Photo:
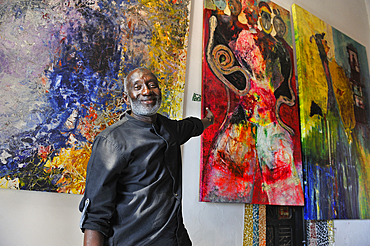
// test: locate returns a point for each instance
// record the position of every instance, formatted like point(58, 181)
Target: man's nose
point(146, 90)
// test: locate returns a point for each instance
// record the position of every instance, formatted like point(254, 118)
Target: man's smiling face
point(143, 92)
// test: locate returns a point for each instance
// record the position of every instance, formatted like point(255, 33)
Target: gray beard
point(139, 109)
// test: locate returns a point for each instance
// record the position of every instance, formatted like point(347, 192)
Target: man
point(133, 183)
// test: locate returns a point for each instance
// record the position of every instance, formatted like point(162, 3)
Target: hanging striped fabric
point(320, 232)
point(254, 225)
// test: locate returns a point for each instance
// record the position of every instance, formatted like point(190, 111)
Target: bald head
point(132, 74)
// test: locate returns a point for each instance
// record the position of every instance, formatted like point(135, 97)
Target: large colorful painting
point(333, 77)
point(61, 65)
point(252, 153)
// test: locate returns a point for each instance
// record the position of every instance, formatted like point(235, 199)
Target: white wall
point(44, 219)
point(29, 218)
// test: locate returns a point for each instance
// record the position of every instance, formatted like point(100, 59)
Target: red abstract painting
point(252, 154)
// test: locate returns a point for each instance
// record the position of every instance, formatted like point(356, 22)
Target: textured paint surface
point(252, 153)
point(254, 225)
point(61, 65)
point(248, 225)
point(330, 232)
point(262, 225)
point(320, 232)
point(333, 81)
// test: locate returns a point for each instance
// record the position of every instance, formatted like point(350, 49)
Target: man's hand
point(209, 119)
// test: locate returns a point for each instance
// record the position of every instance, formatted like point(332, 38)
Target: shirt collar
point(136, 121)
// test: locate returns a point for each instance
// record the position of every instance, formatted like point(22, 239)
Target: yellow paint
point(311, 72)
point(364, 176)
point(74, 164)
point(227, 9)
point(344, 96)
point(248, 225)
point(242, 18)
point(7, 183)
point(168, 52)
point(331, 232)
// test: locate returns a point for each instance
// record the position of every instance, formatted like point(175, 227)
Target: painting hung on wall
point(333, 78)
point(252, 153)
point(61, 66)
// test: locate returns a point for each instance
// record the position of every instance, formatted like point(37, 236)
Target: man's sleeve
point(189, 127)
point(98, 203)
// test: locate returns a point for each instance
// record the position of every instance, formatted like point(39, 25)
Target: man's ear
point(125, 98)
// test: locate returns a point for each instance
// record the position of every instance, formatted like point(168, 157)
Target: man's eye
point(153, 85)
point(137, 87)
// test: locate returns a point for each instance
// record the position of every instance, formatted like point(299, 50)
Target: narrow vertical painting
point(61, 67)
point(252, 153)
point(333, 78)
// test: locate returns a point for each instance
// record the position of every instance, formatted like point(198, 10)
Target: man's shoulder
point(167, 122)
point(163, 118)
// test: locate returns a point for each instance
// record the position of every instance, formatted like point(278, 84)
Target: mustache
point(143, 98)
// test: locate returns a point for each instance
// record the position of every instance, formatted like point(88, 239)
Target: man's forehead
point(141, 73)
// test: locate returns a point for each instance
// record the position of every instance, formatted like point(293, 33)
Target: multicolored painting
point(254, 232)
point(320, 232)
point(61, 66)
point(333, 77)
point(252, 153)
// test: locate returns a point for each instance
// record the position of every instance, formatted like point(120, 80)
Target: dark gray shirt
point(133, 185)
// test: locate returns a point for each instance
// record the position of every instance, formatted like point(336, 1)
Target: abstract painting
point(320, 232)
point(252, 154)
point(254, 232)
point(61, 66)
point(333, 78)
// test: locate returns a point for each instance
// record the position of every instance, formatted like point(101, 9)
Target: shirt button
point(175, 194)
